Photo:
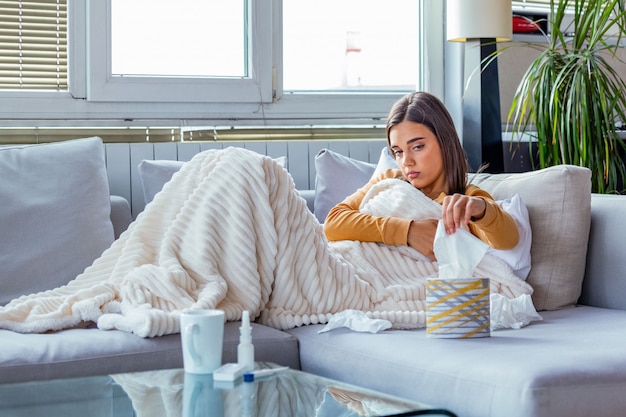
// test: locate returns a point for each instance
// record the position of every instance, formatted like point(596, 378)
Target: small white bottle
point(245, 350)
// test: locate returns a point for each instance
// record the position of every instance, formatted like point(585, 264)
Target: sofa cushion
point(558, 200)
point(91, 351)
point(573, 363)
point(55, 214)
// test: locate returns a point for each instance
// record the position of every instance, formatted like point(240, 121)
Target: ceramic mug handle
point(191, 331)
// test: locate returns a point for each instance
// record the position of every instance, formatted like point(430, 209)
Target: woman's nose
point(407, 161)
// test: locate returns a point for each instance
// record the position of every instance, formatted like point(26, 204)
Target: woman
point(422, 138)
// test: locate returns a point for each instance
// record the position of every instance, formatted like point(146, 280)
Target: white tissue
point(357, 321)
point(457, 254)
point(512, 313)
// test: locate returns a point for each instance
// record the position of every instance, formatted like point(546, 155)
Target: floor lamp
point(480, 24)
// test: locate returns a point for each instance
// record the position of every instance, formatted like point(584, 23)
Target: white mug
point(202, 335)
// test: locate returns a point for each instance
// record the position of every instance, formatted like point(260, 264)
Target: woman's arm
point(346, 222)
point(496, 227)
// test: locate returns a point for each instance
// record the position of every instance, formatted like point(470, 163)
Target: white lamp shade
point(475, 19)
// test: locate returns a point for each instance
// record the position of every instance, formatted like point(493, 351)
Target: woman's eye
point(417, 147)
point(397, 153)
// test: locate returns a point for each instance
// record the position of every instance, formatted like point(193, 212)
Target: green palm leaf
point(572, 97)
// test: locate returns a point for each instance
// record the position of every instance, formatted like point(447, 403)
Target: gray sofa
point(572, 363)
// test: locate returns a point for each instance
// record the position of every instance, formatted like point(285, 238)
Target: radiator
point(123, 159)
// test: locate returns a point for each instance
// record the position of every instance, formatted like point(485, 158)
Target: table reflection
point(291, 393)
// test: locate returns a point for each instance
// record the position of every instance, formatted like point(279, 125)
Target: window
point(260, 78)
point(175, 30)
point(33, 45)
point(196, 38)
point(362, 45)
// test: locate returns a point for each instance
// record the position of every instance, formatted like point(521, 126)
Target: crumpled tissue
point(515, 313)
point(356, 320)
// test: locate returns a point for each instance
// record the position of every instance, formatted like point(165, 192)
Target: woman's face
point(418, 154)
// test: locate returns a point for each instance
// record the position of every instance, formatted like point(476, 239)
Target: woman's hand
point(422, 235)
point(459, 210)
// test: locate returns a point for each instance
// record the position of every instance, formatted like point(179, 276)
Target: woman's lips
point(412, 175)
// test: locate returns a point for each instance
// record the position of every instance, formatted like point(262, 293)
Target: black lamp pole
point(482, 125)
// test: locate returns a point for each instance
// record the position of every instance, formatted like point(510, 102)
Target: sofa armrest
point(121, 216)
point(309, 196)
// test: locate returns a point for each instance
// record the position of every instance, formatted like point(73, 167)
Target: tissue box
point(457, 308)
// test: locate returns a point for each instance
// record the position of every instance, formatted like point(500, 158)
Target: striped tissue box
point(457, 308)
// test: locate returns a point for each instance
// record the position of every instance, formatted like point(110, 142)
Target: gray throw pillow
point(336, 177)
point(154, 174)
point(55, 219)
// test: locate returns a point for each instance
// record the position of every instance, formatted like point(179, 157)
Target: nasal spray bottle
point(245, 350)
point(245, 355)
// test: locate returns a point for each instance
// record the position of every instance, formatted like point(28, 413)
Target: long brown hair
point(424, 108)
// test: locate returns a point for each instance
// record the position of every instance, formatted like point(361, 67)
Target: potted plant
point(571, 98)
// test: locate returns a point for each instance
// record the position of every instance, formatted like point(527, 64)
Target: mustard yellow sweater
point(345, 222)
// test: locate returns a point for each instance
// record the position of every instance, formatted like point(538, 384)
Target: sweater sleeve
point(496, 228)
point(346, 222)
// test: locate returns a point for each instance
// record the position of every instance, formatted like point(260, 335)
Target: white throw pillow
point(55, 218)
point(517, 258)
point(385, 162)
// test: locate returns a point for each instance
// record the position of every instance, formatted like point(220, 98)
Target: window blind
point(33, 45)
point(29, 135)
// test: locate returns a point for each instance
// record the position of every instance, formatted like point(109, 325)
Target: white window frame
point(96, 98)
point(103, 86)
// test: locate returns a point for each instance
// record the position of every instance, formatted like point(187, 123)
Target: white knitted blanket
point(230, 231)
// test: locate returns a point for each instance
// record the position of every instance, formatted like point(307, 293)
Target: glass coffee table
point(173, 393)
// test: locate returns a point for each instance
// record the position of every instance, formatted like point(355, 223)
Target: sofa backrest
point(604, 284)
point(123, 159)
